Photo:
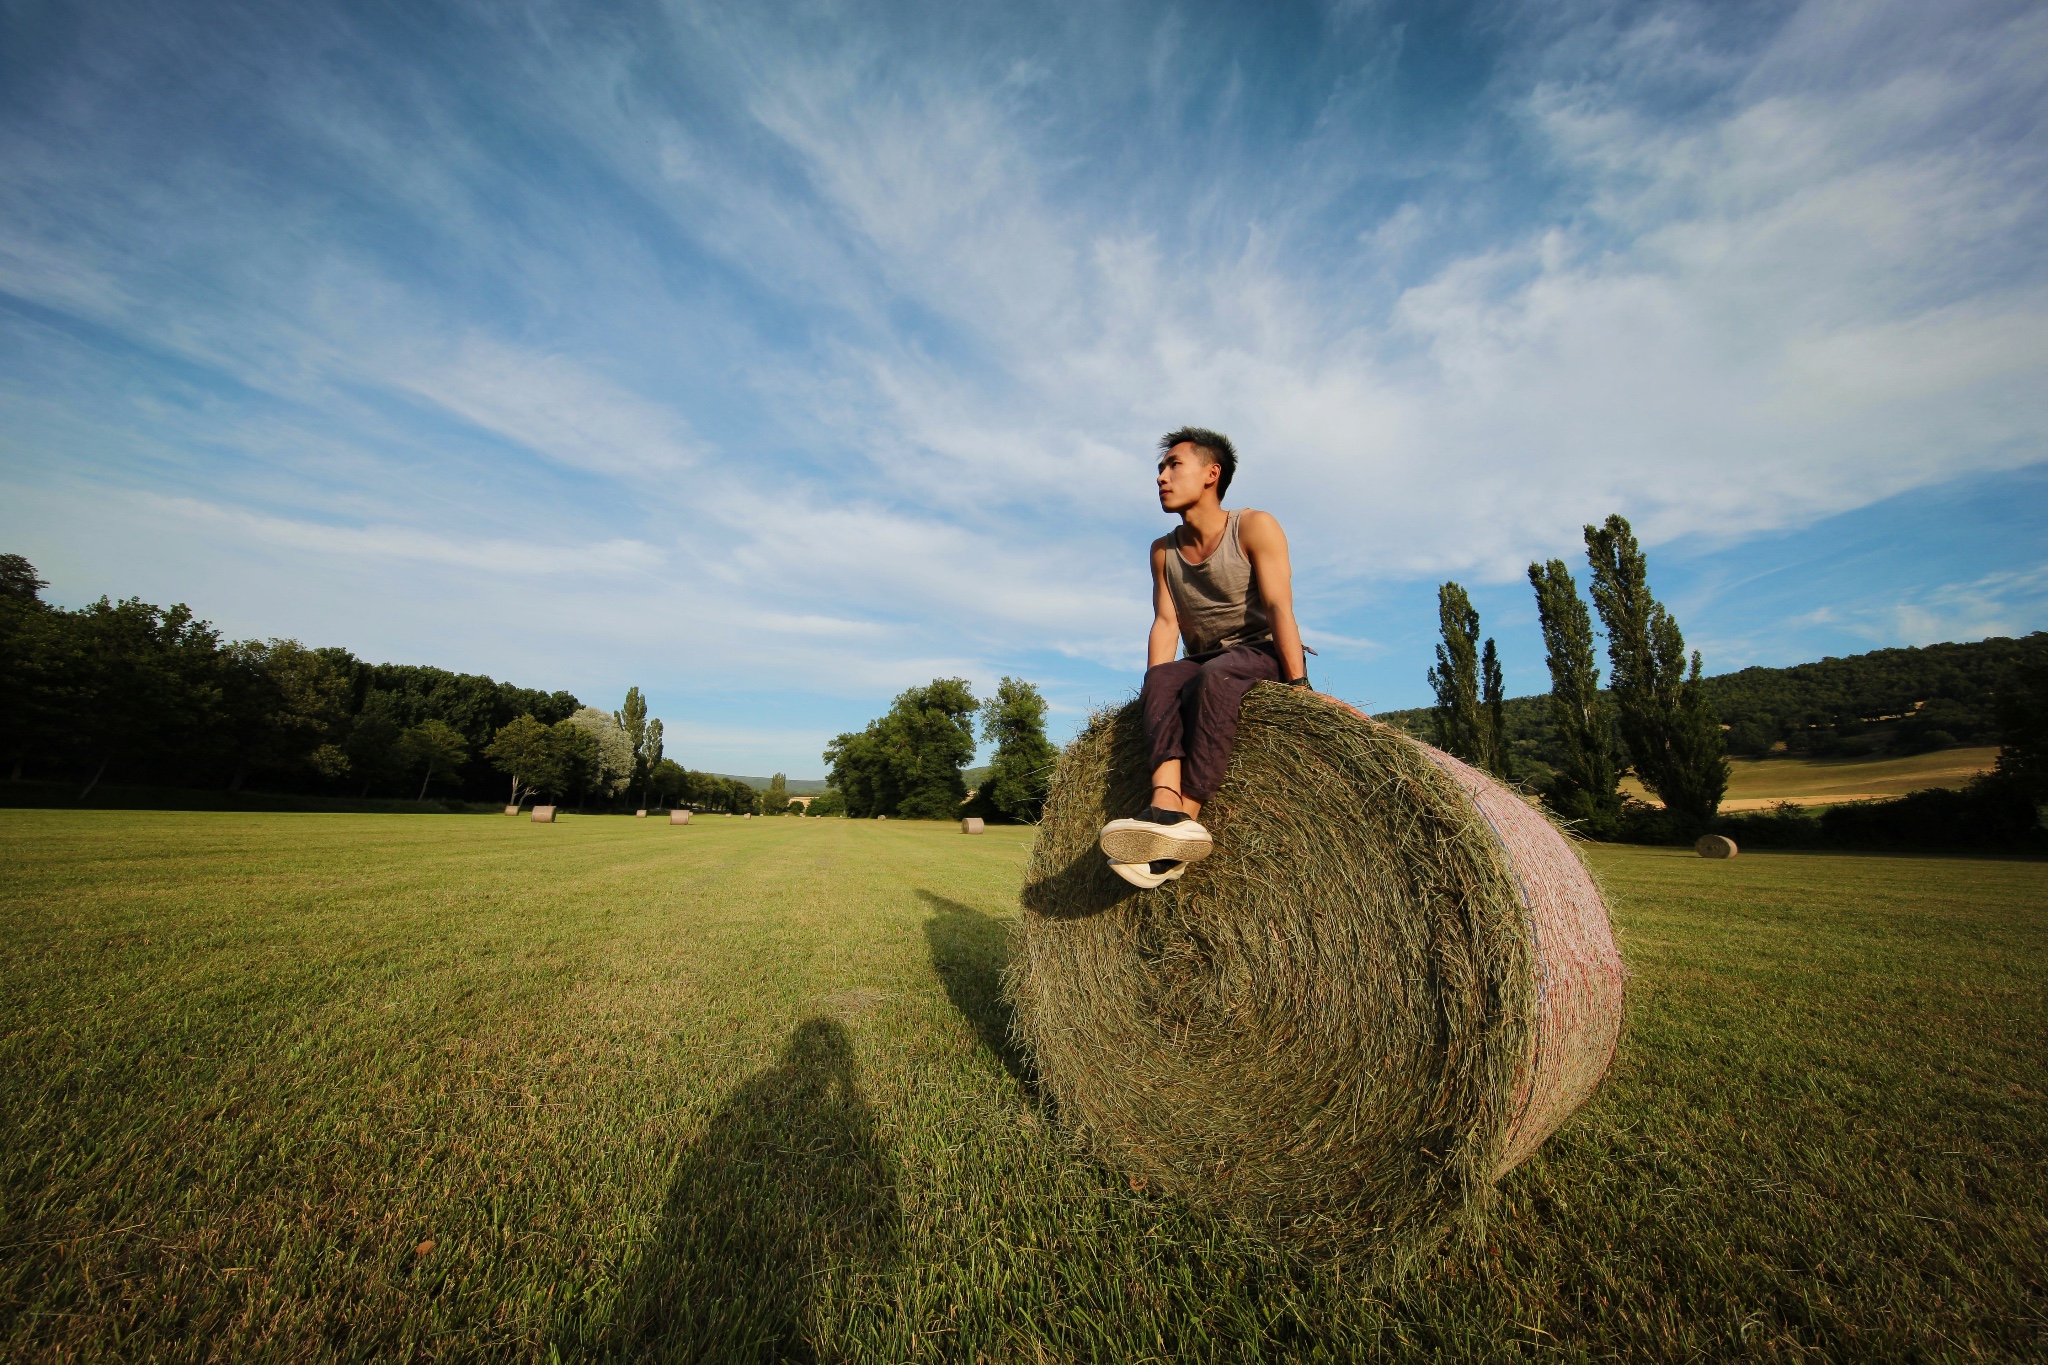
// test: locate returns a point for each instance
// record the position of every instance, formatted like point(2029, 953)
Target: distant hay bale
point(1716, 846)
point(543, 815)
point(511, 810)
point(679, 817)
point(1391, 983)
point(971, 825)
point(640, 815)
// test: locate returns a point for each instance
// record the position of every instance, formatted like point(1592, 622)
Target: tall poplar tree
point(1585, 786)
point(1670, 727)
point(1466, 725)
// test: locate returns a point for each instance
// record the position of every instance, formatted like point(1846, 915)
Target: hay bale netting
point(972, 825)
point(1393, 980)
point(543, 815)
point(1716, 846)
point(679, 817)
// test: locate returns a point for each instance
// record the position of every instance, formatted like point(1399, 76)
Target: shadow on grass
point(969, 951)
point(787, 1197)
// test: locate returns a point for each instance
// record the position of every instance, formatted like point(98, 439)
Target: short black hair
point(1214, 444)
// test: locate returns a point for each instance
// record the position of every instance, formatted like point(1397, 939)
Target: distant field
point(1754, 783)
point(365, 1086)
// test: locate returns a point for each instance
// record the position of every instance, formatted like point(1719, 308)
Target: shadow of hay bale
point(789, 1194)
point(1346, 1025)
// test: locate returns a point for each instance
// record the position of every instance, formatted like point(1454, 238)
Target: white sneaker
point(1144, 841)
point(1143, 877)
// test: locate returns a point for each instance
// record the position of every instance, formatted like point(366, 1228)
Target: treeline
point(1660, 718)
point(1890, 701)
point(908, 763)
point(128, 692)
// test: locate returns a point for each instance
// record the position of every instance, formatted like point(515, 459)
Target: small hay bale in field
point(679, 817)
point(639, 815)
point(511, 810)
point(972, 825)
point(1716, 846)
point(543, 815)
point(1392, 981)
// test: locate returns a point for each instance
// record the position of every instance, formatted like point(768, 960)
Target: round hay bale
point(679, 817)
point(640, 814)
point(543, 815)
point(972, 825)
point(511, 810)
point(1391, 983)
point(1716, 846)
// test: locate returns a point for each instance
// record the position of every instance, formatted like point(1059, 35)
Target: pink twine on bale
point(1579, 975)
point(1580, 978)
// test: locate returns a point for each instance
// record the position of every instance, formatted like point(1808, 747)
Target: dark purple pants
point(1191, 711)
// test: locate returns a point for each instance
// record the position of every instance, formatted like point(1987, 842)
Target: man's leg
point(1155, 845)
point(1161, 699)
point(1209, 724)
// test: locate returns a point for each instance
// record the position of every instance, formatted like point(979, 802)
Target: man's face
point(1184, 475)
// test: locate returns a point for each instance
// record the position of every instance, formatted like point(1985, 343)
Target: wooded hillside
point(1889, 700)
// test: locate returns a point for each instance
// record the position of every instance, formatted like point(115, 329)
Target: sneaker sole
point(1141, 841)
point(1143, 877)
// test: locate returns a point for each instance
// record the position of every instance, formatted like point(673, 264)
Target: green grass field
point(450, 1087)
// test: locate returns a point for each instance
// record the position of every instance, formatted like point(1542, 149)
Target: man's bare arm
point(1164, 640)
point(1265, 545)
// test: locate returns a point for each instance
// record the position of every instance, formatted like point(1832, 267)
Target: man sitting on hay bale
point(1222, 586)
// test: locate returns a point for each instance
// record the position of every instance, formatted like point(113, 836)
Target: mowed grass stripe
point(740, 1090)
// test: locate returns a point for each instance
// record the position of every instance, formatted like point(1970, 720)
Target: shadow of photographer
point(789, 1188)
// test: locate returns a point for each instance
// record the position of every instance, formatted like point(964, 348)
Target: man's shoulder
point(1252, 519)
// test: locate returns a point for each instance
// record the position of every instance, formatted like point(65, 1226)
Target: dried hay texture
point(1391, 983)
point(679, 817)
point(543, 815)
point(511, 810)
point(972, 825)
point(1716, 846)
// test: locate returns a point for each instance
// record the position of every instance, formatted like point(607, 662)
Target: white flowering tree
point(614, 748)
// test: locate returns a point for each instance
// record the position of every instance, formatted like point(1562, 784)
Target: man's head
point(1193, 460)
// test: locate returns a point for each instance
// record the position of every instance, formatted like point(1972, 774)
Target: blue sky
point(774, 358)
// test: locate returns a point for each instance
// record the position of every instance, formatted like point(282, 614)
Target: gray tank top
point(1217, 600)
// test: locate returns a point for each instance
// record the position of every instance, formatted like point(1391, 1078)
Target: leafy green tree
point(1493, 699)
point(861, 768)
point(371, 747)
point(827, 803)
point(1463, 721)
point(287, 708)
point(1666, 717)
point(2023, 731)
point(667, 782)
point(615, 757)
point(522, 752)
point(18, 580)
point(651, 758)
point(1588, 777)
point(777, 798)
point(1021, 772)
point(31, 707)
point(143, 686)
point(631, 718)
point(434, 748)
point(907, 763)
point(576, 763)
